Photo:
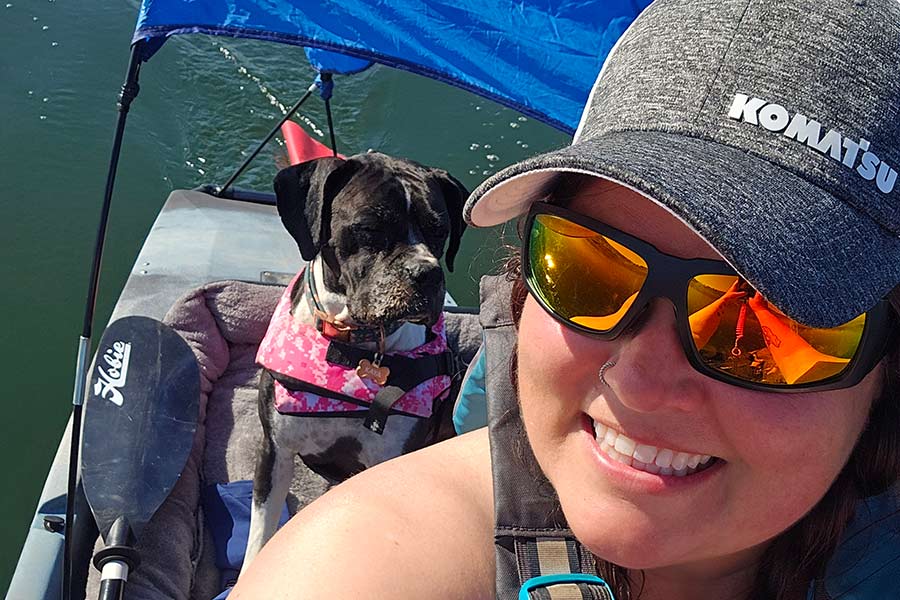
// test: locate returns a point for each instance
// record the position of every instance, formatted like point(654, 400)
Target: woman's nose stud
point(606, 366)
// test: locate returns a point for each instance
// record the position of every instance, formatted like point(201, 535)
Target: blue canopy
point(539, 57)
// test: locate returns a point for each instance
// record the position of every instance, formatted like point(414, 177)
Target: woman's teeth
point(651, 459)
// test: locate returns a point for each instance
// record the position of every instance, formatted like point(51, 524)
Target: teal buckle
point(548, 580)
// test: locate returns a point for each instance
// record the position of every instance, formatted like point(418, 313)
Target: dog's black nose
point(427, 277)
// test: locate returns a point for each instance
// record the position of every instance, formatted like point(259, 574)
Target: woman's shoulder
point(407, 528)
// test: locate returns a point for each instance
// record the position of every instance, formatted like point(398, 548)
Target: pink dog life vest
point(299, 351)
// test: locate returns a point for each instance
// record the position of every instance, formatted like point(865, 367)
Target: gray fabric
point(866, 565)
point(463, 335)
point(224, 322)
point(814, 235)
point(525, 504)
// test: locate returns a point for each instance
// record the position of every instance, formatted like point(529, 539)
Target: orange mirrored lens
point(581, 275)
point(737, 331)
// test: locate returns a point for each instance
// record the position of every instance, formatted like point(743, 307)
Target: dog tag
point(368, 370)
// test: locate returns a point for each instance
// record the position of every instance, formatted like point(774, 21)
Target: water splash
point(264, 89)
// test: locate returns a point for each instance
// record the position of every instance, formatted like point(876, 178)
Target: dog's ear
point(455, 195)
point(304, 194)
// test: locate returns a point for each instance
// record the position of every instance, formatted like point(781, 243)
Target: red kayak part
point(301, 147)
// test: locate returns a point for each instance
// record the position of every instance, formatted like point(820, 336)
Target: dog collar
point(327, 326)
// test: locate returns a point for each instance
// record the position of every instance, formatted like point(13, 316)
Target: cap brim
point(809, 253)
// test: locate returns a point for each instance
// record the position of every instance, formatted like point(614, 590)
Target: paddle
point(139, 425)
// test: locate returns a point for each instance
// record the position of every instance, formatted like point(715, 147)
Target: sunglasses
point(598, 281)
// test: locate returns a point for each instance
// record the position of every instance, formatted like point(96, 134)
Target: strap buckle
point(579, 580)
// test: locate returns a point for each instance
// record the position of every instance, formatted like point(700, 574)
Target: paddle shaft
point(116, 560)
point(112, 580)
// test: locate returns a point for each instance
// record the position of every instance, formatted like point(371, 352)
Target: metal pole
point(128, 93)
point(287, 115)
point(326, 79)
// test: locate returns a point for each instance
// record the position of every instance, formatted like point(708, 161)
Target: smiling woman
point(655, 438)
point(693, 375)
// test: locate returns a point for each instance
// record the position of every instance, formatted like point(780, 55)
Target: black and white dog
point(365, 316)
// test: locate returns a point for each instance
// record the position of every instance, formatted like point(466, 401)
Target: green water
point(204, 102)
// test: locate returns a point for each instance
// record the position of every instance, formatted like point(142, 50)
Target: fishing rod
point(290, 113)
point(325, 83)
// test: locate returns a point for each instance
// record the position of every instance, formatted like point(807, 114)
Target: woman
point(706, 365)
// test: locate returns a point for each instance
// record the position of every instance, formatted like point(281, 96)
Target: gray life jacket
point(538, 557)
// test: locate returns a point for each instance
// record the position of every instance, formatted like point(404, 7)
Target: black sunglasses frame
point(668, 277)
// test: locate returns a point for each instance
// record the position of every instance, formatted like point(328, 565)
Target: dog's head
point(380, 224)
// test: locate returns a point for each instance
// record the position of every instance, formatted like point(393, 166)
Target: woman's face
point(775, 454)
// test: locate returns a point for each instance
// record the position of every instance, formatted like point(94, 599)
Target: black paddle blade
point(139, 421)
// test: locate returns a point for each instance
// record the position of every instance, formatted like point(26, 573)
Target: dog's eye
point(364, 230)
point(435, 231)
point(367, 236)
point(433, 226)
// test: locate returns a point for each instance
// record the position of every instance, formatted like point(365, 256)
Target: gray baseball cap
point(772, 127)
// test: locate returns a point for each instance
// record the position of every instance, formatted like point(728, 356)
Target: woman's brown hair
point(800, 554)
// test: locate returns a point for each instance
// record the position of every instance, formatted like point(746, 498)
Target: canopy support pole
point(262, 144)
point(128, 93)
point(326, 79)
point(334, 151)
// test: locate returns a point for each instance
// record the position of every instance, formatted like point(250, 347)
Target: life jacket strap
point(557, 569)
point(405, 372)
point(537, 557)
point(376, 417)
point(570, 586)
point(550, 556)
